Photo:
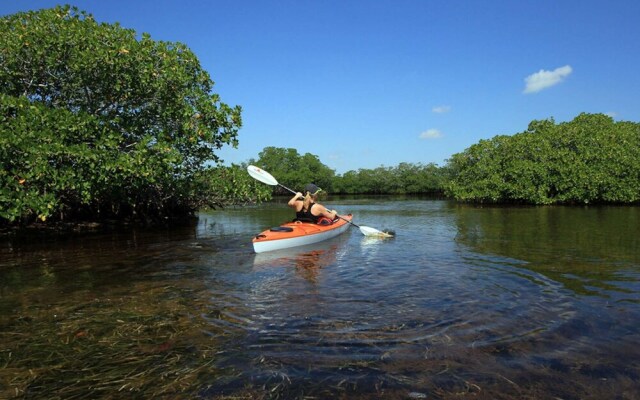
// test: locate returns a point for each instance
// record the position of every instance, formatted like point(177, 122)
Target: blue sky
point(362, 84)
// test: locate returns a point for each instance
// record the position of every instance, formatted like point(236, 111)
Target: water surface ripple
point(488, 302)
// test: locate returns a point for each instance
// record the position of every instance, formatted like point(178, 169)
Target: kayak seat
point(321, 221)
point(324, 221)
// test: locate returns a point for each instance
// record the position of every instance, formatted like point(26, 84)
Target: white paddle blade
point(368, 231)
point(261, 175)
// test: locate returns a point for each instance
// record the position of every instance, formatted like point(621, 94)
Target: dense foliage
point(591, 159)
point(231, 185)
point(96, 122)
point(406, 178)
point(294, 170)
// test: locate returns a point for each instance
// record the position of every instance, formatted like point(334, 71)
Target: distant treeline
point(406, 178)
point(591, 159)
point(294, 171)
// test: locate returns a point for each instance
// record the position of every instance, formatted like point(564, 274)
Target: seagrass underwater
point(450, 306)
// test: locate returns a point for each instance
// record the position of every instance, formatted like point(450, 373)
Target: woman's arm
point(331, 214)
point(293, 202)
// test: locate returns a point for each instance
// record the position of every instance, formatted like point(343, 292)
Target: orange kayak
point(293, 234)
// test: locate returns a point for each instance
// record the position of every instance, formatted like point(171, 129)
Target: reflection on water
point(465, 301)
point(585, 249)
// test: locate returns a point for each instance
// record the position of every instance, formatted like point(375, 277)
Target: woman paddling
point(308, 210)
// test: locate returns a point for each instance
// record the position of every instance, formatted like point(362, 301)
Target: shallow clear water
point(532, 302)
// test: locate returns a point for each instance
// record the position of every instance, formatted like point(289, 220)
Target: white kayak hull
point(300, 234)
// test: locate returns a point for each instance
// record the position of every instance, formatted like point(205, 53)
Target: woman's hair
point(306, 203)
point(311, 193)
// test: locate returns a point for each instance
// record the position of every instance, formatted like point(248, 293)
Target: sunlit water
point(532, 302)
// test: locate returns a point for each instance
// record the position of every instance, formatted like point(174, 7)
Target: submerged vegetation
point(98, 123)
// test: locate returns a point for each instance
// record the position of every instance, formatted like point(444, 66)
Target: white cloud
point(431, 134)
point(441, 109)
point(545, 79)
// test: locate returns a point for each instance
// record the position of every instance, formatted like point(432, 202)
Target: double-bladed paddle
point(265, 177)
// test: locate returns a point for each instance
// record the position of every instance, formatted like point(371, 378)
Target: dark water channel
point(466, 302)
